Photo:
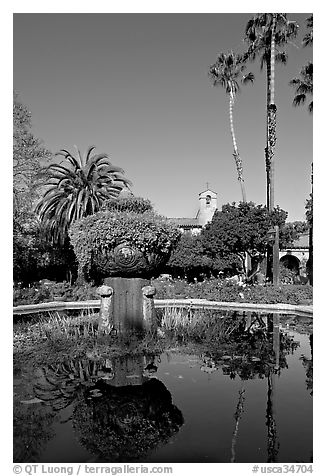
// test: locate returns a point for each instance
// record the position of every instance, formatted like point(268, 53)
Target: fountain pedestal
point(131, 304)
point(127, 297)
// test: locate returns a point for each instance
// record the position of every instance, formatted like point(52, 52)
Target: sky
point(136, 86)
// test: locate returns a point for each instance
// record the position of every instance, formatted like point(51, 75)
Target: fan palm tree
point(304, 84)
point(227, 70)
point(265, 34)
point(77, 187)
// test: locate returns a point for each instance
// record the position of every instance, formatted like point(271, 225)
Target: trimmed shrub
point(128, 204)
point(99, 234)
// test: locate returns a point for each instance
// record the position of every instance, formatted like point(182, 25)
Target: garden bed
point(211, 290)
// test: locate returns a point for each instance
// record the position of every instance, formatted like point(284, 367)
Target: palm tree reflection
point(120, 411)
point(308, 365)
point(256, 348)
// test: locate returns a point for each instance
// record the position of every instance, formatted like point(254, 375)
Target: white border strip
point(299, 310)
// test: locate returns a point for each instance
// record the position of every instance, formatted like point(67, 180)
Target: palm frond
point(88, 154)
point(303, 86)
point(308, 38)
point(258, 34)
point(79, 157)
point(66, 154)
point(248, 78)
point(76, 189)
point(299, 99)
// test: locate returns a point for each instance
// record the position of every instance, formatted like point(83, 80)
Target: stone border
point(299, 310)
point(280, 308)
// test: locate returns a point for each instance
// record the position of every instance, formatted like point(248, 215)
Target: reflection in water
point(32, 429)
point(237, 416)
point(308, 365)
point(120, 410)
point(126, 422)
point(254, 347)
point(257, 348)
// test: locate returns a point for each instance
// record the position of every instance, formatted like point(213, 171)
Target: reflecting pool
point(248, 398)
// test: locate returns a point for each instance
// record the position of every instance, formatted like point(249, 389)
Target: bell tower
point(207, 206)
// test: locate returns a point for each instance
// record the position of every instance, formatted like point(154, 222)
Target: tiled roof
point(185, 222)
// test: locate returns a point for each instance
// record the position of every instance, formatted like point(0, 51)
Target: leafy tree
point(29, 156)
point(77, 187)
point(309, 210)
point(292, 231)
point(190, 259)
point(227, 70)
point(242, 229)
point(34, 257)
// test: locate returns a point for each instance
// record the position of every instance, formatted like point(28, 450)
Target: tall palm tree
point(227, 70)
point(77, 187)
point(265, 34)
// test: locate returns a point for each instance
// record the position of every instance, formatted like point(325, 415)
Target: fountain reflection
point(120, 410)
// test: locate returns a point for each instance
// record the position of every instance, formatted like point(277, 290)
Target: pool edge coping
point(299, 309)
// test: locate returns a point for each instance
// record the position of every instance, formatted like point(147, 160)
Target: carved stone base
point(127, 304)
point(105, 318)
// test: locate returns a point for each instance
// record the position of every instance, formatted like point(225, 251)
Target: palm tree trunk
point(269, 150)
point(272, 113)
point(272, 440)
point(238, 161)
point(237, 417)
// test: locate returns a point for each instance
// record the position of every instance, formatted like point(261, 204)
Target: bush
point(217, 290)
point(99, 234)
point(128, 204)
point(32, 295)
point(212, 290)
point(50, 291)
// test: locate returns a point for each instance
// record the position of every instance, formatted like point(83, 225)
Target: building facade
point(206, 209)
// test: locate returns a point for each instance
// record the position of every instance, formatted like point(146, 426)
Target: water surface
point(248, 399)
